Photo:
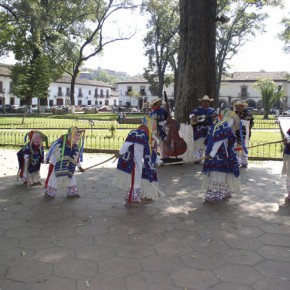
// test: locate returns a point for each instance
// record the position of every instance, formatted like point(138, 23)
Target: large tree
point(90, 41)
point(161, 42)
point(244, 23)
point(285, 35)
point(36, 27)
point(197, 67)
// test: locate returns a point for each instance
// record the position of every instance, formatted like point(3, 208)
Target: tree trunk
point(197, 68)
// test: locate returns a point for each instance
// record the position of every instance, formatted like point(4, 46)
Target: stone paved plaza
point(175, 243)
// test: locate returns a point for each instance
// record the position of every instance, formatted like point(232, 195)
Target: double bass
point(173, 144)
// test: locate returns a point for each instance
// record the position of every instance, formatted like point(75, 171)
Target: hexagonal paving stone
point(101, 281)
point(3, 270)
point(275, 228)
point(274, 269)
point(53, 283)
point(240, 256)
point(194, 278)
point(75, 241)
point(11, 223)
point(275, 239)
point(22, 232)
point(243, 242)
point(37, 243)
point(92, 230)
point(119, 266)
point(162, 263)
point(271, 284)
point(114, 238)
point(95, 253)
point(29, 271)
point(8, 243)
point(15, 256)
point(12, 285)
point(173, 247)
point(275, 253)
point(246, 231)
point(240, 274)
point(75, 268)
point(201, 261)
point(149, 280)
point(230, 286)
point(135, 250)
point(58, 231)
point(248, 221)
point(182, 235)
point(209, 246)
point(54, 255)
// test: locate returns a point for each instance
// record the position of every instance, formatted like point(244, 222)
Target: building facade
point(87, 92)
point(135, 92)
point(241, 86)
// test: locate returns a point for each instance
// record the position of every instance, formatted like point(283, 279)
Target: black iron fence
point(259, 150)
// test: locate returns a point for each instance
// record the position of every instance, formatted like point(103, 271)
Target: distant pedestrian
point(64, 156)
point(286, 163)
point(221, 174)
point(136, 168)
point(30, 157)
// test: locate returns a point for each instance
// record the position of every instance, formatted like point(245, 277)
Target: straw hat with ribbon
point(206, 98)
point(153, 102)
point(241, 103)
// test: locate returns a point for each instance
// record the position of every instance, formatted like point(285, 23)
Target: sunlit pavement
point(177, 242)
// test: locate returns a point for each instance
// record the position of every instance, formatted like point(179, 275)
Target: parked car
point(105, 109)
point(8, 108)
point(286, 112)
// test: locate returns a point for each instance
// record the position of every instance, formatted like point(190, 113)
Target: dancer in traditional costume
point(286, 163)
point(30, 157)
point(201, 121)
point(221, 174)
point(160, 115)
point(64, 156)
point(244, 132)
point(136, 168)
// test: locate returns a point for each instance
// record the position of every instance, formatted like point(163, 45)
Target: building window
point(102, 93)
point(67, 92)
point(107, 93)
point(59, 92)
point(80, 92)
point(142, 91)
point(96, 93)
point(244, 91)
point(107, 102)
point(10, 87)
point(1, 87)
point(89, 92)
point(129, 90)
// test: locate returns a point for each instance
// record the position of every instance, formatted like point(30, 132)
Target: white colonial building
point(241, 86)
point(135, 92)
point(87, 92)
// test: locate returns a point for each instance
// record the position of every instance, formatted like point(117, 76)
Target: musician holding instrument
point(160, 115)
point(244, 132)
point(201, 121)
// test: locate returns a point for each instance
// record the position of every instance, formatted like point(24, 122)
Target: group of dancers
point(220, 140)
